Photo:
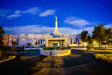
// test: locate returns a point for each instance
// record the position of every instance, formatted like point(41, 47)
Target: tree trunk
point(99, 43)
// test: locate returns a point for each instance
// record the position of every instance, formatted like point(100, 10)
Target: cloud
point(33, 10)
point(67, 30)
point(47, 13)
point(18, 13)
point(28, 29)
point(13, 16)
point(38, 29)
point(77, 22)
point(108, 26)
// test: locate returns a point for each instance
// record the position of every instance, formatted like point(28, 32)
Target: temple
point(55, 39)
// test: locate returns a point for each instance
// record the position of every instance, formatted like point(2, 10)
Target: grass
point(105, 57)
point(101, 50)
point(94, 50)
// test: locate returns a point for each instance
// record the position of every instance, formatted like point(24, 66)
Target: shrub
point(55, 48)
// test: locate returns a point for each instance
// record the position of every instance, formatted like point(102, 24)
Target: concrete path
point(78, 63)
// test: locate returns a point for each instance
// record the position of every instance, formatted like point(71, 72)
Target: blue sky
point(38, 16)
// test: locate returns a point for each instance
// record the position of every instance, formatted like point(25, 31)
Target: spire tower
point(56, 32)
point(56, 24)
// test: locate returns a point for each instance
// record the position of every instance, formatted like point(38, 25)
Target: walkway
point(78, 63)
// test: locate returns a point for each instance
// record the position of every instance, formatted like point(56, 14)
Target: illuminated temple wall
point(24, 39)
point(7, 40)
point(37, 39)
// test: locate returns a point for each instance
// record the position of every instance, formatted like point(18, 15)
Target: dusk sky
point(38, 16)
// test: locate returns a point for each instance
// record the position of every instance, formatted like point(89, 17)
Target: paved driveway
point(78, 63)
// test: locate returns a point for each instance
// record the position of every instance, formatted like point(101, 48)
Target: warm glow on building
point(56, 39)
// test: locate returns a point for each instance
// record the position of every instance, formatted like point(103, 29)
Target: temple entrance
point(56, 44)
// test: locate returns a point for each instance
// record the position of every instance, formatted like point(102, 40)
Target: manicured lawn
point(94, 50)
point(105, 57)
point(101, 50)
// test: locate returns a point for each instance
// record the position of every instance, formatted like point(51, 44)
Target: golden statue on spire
point(56, 24)
point(56, 18)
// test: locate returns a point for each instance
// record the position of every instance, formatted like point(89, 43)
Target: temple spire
point(56, 32)
point(56, 24)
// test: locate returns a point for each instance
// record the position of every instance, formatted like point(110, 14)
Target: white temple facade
point(56, 39)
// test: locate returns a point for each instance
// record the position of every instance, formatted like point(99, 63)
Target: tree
point(1, 39)
point(84, 36)
point(109, 36)
point(99, 33)
point(89, 40)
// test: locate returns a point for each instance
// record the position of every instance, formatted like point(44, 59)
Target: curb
point(9, 58)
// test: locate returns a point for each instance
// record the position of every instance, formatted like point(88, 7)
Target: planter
point(55, 52)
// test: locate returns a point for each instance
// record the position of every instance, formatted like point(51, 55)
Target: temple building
point(55, 39)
